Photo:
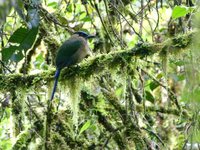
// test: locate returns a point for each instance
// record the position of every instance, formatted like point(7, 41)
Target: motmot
point(71, 52)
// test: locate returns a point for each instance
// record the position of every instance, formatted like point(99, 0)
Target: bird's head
point(84, 35)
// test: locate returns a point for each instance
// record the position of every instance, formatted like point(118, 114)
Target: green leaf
point(85, 126)
point(62, 19)
point(8, 52)
point(153, 85)
point(29, 39)
point(179, 11)
point(52, 4)
point(119, 91)
point(93, 127)
point(19, 35)
point(86, 19)
point(149, 96)
point(81, 15)
point(159, 76)
point(69, 8)
point(24, 37)
point(181, 77)
point(17, 56)
point(191, 9)
point(179, 63)
point(39, 60)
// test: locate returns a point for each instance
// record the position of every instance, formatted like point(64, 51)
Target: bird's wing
point(66, 51)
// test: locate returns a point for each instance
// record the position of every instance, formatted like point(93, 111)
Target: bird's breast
point(72, 52)
point(80, 54)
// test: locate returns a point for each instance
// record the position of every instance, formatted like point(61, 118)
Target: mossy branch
point(98, 63)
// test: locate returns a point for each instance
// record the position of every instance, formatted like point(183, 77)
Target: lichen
point(23, 140)
point(74, 85)
point(18, 110)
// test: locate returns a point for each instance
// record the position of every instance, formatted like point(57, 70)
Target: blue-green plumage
point(55, 83)
point(71, 52)
point(66, 52)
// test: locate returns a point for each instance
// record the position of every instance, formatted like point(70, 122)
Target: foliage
point(139, 90)
point(181, 11)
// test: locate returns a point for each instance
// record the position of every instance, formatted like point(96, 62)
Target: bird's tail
point(55, 83)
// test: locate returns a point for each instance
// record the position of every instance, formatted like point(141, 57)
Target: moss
point(98, 63)
point(74, 89)
point(18, 110)
point(10, 83)
point(58, 141)
point(182, 41)
point(23, 140)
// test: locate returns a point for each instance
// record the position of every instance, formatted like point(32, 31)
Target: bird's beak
point(91, 36)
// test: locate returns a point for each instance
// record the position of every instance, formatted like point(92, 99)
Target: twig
point(112, 134)
point(158, 19)
point(96, 7)
point(156, 135)
point(2, 63)
point(128, 23)
point(172, 95)
point(109, 20)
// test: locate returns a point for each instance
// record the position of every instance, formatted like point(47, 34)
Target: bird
point(71, 52)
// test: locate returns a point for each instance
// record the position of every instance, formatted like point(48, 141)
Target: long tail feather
point(55, 83)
